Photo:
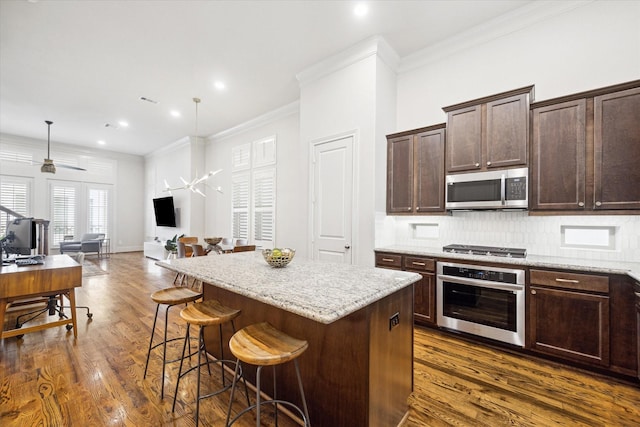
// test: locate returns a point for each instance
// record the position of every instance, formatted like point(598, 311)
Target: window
point(254, 192)
point(63, 209)
point(15, 194)
point(98, 216)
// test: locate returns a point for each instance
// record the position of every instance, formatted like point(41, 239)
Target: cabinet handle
point(533, 292)
point(417, 209)
point(387, 260)
point(408, 209)
point(422, 264)
point(488, 163)
point(598, 204)
point(637, 294)
point(477, 165)
point(567, 281)
point(581, 204)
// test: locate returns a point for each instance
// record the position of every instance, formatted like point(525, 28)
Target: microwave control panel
point(516, 188)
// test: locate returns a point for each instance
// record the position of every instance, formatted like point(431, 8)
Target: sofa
point(88, 243)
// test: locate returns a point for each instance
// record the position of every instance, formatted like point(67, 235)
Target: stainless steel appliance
point(484, 301)
point(500, 189)
point(485, 250)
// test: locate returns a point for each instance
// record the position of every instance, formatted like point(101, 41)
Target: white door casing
point(332, 205)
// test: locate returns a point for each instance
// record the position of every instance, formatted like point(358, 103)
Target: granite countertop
point(319, 291)
point(631, 269)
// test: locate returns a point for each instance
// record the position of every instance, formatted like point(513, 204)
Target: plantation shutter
point(98, 211)
point(64, 200)
point(264, 207)
point(240, 205)
point(15, 194)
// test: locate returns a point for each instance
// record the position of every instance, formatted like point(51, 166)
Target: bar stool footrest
point(270, 402)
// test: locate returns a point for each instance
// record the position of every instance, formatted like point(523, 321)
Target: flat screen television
point(164, 211)
point(20, 236)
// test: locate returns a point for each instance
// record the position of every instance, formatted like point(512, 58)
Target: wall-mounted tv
point(165, 212)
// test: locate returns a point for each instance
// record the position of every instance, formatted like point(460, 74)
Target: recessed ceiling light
point(219, 85)
point(360, 10)
point(123, 123)
point(101, 142)
point(175, 113)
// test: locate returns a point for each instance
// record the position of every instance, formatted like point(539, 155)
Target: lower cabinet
point(424, 304)
point(569, 316)
point(636, 290)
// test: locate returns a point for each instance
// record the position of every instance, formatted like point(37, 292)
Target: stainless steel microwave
point(499, 189)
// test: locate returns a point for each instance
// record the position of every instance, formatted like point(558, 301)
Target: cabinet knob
point(408, 209)
point(477, 165)
point(581, 204)
point(488, 163)
point(598, 204)
point(418, 208)
point(533, 291)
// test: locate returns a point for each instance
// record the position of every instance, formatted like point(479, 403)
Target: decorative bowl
point(213, 240)
point(278, 257)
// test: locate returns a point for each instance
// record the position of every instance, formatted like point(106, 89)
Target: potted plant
point(172, 245)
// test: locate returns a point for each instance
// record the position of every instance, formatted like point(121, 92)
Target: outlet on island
point(394, 320)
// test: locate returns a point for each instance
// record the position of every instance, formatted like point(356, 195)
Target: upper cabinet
point(490, 132)
point(585, 151)
point(415, 171)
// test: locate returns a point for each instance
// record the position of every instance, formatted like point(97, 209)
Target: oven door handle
point(503, 190)
point(482, 284)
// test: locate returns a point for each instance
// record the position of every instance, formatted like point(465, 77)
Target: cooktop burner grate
point(486, 250)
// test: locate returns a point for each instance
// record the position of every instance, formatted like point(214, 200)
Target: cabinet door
point(507, 132)
point(400, 175)
point(637, 299)
point(464, 139)
point(429, 171)
point(616, 143)
point(424, 305)
point(558, 156)
point(568, 324)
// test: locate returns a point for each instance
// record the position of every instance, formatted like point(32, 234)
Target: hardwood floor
point(48, 379)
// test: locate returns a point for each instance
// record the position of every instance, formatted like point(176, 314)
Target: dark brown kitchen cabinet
point(424, 304)
point(636, 290)
point(424, 299)
point(490, 132)
point(415, 171)
point(569, 316)
point(585, 150)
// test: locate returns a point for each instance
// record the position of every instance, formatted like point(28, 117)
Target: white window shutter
point(263, 188)
point(241, 157)
point(240, 205)
point(15, 194)
point(63, 206)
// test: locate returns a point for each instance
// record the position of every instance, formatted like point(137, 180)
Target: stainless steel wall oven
point(484, 301)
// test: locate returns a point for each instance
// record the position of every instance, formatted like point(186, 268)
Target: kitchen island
point(358, 370)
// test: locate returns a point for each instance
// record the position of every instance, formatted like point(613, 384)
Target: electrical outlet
point(394, 321)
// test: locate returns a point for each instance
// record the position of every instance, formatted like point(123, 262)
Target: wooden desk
point(59, 274)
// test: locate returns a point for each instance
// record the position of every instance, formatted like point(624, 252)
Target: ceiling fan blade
point(70, 167)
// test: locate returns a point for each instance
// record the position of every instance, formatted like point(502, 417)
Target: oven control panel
point(489, 274)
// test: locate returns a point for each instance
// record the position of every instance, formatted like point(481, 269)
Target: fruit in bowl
point(278, 257)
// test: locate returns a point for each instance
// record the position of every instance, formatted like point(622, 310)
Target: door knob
point(347, 247)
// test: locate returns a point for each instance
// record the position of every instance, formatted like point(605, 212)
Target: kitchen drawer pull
point(387, 260)
point(567, 281)
point(422, 264)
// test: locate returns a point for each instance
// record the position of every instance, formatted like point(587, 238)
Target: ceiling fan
point(48, 166)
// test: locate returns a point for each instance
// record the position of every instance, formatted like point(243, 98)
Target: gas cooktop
point(486, 250)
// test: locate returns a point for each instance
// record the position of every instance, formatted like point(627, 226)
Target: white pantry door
point(332, 200)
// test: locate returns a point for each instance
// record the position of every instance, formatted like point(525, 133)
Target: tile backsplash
point(540, 235)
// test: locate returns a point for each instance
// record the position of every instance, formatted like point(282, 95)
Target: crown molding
point(271, 116)
point(176, 145)
point(376, 45)
point(516, 20)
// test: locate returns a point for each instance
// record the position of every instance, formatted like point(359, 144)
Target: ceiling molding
point(511, 22)
point(183, 142)
point(264, 119)
point(376, 45)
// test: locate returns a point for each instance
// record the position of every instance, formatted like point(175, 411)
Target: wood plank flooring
point(48, 379)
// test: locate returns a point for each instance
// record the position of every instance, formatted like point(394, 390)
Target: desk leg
point(72, 304)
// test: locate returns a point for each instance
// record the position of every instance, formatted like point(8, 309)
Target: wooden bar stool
point(263, 345)
point(168, 297)
point(203, 314)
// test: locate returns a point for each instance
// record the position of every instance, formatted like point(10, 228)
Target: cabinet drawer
point(389, 260)
point(560, 279)
point(419, 263)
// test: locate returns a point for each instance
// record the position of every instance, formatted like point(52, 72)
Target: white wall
point(585, 46)
point(127, 183)
point(291, 177)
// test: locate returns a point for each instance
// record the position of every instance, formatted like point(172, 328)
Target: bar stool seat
point(203, 314)
point(168, 297)
point(263, 345)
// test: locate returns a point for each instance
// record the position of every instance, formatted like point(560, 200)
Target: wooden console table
point(59, 274)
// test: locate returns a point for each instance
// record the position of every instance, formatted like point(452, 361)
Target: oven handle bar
point(482, 283)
